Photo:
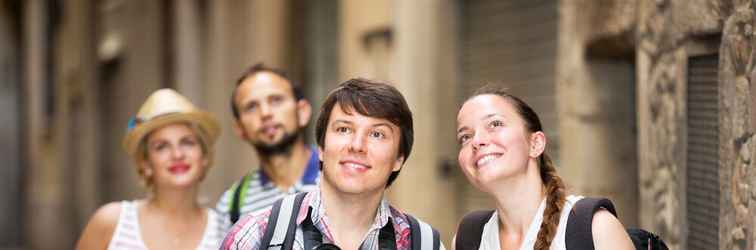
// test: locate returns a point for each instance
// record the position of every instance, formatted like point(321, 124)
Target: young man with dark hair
point(271, 115)
point(364, 134)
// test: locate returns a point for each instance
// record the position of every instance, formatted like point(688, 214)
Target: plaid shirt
point(248, 232)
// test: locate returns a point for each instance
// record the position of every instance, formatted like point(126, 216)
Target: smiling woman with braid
point(502, 153)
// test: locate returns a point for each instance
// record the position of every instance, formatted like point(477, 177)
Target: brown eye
point(495, 123)
point(159, 146)
point(276, 100)
point(343, 130)
point(188, 142)
point(251, 107)
point(377, 134)
point(462, 139)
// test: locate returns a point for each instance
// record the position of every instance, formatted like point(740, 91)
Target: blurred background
point(647, 102)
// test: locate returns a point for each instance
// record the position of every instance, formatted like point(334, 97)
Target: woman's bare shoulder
point(99, 230)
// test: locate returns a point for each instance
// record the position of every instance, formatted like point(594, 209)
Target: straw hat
point(163, 107)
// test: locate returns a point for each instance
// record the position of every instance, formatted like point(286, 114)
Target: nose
point(479, 140)
point(358, 142)
point(177, 153)
point(266, 112)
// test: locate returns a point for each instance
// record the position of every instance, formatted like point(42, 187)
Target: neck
point(285, 169)
point(518, 203)
point(350, 216)
point(176, 202)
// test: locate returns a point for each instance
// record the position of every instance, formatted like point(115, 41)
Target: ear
point(304, 111)
point(398, 164)
point(537, 144)
point(146, 167)
point(239, 130)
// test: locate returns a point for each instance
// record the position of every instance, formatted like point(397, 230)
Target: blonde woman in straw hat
point(171, 142)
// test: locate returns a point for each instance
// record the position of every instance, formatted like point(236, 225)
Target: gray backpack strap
point(424, 237)
point(282, 223)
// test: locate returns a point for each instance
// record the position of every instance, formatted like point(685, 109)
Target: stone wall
point(736, 71)
point(668, 33)
point(662, 35)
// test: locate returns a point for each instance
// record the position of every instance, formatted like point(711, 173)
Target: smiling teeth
point(354, 165)
point(486, 159)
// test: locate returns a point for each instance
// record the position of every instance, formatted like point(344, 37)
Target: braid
point(555, 197)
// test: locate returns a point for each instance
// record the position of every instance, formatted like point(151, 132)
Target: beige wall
point(424, 71)
point(357, 19)
point(596, 105)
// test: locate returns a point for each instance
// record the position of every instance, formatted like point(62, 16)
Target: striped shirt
point(248, 232)
point(128, 235)
point(262, 193)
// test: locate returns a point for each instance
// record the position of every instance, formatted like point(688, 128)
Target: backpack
point(282, 226)
point(578, 235)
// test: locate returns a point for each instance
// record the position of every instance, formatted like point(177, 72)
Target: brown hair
point(373, 99)
point(258, 68)
point(554, 186)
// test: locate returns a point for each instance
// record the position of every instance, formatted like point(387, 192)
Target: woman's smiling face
point(494, 142)
point(175, 155)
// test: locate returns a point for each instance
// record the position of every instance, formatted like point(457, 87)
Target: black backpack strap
point(235, 206)
point(282, 223)
point(470, 229)
point(579, 234)
point(423, 236)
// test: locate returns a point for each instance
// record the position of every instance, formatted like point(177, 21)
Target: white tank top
point(490, 238)
point(128, 236)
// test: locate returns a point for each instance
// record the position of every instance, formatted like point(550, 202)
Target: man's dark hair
point(373, 99)
point(258, 68)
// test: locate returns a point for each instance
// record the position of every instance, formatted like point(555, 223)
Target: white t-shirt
point(128, 236)
point(490, 238)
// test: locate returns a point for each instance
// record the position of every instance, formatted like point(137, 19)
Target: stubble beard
point(282, 147)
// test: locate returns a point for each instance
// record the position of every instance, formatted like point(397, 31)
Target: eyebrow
point(383, 124)
point(380, 124)
point(484, 118)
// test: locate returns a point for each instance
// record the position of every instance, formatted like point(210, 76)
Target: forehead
point(351, 115)
point(263, 84)
point(170, 130)
point(482, 106)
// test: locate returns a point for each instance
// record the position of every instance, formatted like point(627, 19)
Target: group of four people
point(331, 195)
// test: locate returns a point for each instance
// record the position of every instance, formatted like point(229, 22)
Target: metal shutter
point(702, 186)
point(512, 42)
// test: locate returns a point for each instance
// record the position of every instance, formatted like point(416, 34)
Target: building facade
point(647, 102)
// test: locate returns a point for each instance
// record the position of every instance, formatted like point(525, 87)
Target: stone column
point(48, 218)
point(78, 114)
point(11, 178)
point(596, 103)
point(425, 72)
point(736, 139)
point(269, 32)
point(661, 122)
point(188, 50)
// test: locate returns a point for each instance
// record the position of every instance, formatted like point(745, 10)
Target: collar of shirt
point(310, 176)
point(319, 219)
